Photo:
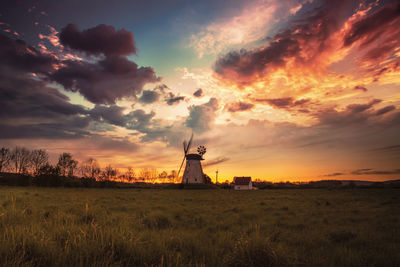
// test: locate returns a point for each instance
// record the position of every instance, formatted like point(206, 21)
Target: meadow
point(165, 227)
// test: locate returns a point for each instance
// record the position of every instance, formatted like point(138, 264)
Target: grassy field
point(102, 227)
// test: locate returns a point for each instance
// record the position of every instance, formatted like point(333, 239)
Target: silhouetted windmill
point(193, 173)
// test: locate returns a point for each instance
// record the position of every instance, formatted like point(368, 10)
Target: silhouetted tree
point(90, 168)
point(153, 175)
point(109, 173)
point(66, 164)
point(5, 158)
point(49, 170)
point(163, 176)
point(130, 174)
point(38, 159)
point(20, 157)
point(173, 176)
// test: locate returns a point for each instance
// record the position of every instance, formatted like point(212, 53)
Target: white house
point(242, 183)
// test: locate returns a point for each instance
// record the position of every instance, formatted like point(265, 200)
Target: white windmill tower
point(193, 173)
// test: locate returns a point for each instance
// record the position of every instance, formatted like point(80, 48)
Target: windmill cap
point(194, 157)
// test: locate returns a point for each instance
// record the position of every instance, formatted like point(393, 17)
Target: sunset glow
point(291, 90)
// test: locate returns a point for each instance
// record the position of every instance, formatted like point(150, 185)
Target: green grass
point(103, 227)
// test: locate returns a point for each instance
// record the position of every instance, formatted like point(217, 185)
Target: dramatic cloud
point(239, 106)
point(102, 39)
point(22, 97)
point(172, 99)
point(286, 102)
point(198, 93)
point(369, 28)
point(16, 54)
point(299, 56)
point(111, 114)
point(353, 114)
point(202, 117)
point(106, 81)
point(149, 97)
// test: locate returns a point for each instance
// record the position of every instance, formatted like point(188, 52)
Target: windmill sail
point(186, 147)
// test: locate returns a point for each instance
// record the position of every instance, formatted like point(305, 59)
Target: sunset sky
point(278, 89)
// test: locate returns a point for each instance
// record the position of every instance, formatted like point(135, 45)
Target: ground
point(119, 227)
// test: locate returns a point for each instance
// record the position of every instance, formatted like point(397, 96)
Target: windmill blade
point(185, 147)
point(184, 157)
point(190, 142)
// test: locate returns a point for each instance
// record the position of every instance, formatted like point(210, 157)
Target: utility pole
point(216, 177)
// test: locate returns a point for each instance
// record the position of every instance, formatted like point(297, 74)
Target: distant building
point(242, 183)
point(193, 173)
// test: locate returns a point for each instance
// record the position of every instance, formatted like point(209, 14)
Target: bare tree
point(163, 176)
point(20, 157)
point(5, 158)
point(130, 174)
point(73, 165)
point(109, 173)
point(90, 168)
point(38, 158)
point(66, 164)
point(172, 176)
point(144, 174)
point(153, 175)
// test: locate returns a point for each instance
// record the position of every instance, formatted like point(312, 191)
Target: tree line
point(23, 161)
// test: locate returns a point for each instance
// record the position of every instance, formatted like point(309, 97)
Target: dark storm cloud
point(110, 114)
point(23, 97)
point(29, 108)
point(106, 81)
point(385, 110)
point(247, 63)
point(172, 99)
point(371, 27)
point(294, 42)
point(239, 106)
point(285, 102)
point(198, 93)
point(102, 39)
point(109, 79)
point(202, 117)
point(135, 120)
point(149, 97)
point(101, 82)
point(69, 128)
point(18, 56)
point(139, 120)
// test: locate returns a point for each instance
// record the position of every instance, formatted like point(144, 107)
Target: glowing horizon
point(276, 90)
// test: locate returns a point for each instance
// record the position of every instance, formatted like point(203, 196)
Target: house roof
point(241, 180)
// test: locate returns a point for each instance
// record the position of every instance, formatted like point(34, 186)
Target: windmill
point(193, 173)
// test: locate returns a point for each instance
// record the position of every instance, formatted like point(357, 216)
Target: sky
point(279, 90)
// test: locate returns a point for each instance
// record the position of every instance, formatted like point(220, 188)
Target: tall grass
point(111, 227)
